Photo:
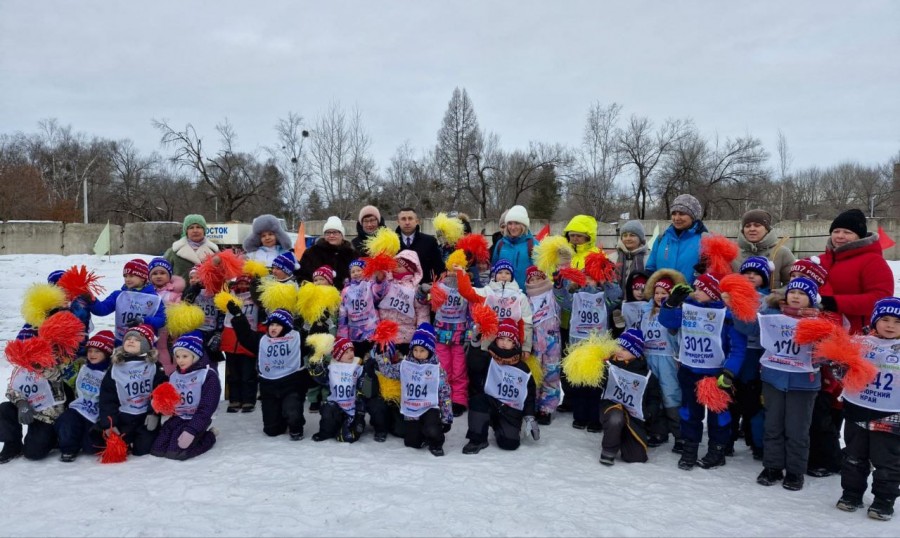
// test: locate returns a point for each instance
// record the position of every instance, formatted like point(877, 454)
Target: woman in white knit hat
point(331, 249)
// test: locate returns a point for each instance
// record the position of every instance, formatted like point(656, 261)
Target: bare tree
point(643, 148)
point(482, 174)
point(458, 138)
point(785, 159)
point(412, 182)
point(599, 161)
point(289, 157)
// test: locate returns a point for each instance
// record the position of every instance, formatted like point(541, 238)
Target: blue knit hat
point(807, 286)
point(760, 265)
point(26, 332)
point(358, 262)
point(633, 341)
point(425, 337)
point(54, 277)
point(502, 265)
point(192, 341)
point(160, 262)
point(281, 317)
point(286, 262)
point(889, 306)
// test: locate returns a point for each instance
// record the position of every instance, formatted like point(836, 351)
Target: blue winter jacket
point(785, 381)
point(680, 252)
point(516, 251)
point(734, 344)
point(108, 306)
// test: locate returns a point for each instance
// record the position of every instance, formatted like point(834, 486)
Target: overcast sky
point(827, 73)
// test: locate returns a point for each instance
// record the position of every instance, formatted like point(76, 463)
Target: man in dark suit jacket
point(426, 246)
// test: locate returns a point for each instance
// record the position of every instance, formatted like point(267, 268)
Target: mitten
point(425, 288)
point(151, 422)
point(618, 319)
point(26, 412)
point(726, 380)
point(185, 440)
point(531, 426)
point(191, 292)
point(215, 343)
point(234, 309)
point(678, 295)
point(137, 320)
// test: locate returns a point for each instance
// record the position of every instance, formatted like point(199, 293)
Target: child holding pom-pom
point(546, 341)
point(187, 433)
point(240, 362)
point(343, 415)
point(400, 299)
point(137, 302)
point(358, 316)
point(322, 277)
point(169, 288)
point(453, 324)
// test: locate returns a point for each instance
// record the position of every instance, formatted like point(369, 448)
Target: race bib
point(87, 389)
point(506, 306)
point(656, 337)
point(701, 337)
point(279, 357)
point(455, 309)
point(632, 312)
point(419, 387)
point(359, 303)
point(626, 388)
point(881, 393)
point(210, 312)
point(400, 299)
point(133, 305)
point(134, 384)
point(249, 308)
point(342, 378)
point(508, 384)
point(189, 387)
point(776, 336)
point(588, 314)
point(35, 388)
point(544, 309)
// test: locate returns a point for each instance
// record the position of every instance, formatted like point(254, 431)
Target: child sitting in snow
point(358, 317)
point(546, 340)
point(137, 302)
point(187, 434)
point(343, 414)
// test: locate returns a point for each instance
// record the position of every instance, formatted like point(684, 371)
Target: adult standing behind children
point(426, 246)
point(516, 244)
point(370, 220)
point(679, 246)
point(192, 248)
point(631, 249)
point(267, 240)
point(756, 239)
point(332, 250)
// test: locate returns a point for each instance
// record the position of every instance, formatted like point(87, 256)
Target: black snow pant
point(282, 403)
point(788, 414)
point(824, 435)
point(585, 403)
point(242, 379)
point(39, 441)
point(426, 430)
point(379, 414)
point(335, 423)
point(506, 422)
point(74, 433)
point(619, 436)
point(865, 449)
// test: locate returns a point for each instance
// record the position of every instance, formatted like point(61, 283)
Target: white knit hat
point(518, 214)
point(334, 223)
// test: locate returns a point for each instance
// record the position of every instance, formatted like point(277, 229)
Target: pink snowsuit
point(170, 294)
point(452, 322)
point(402, 301)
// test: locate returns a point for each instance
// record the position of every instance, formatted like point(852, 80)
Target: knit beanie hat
point(341, 345)
point(424, 337)
point(281, 317)
point(138, 268)
point(285, 262)
point(807, 286)
point(759, 265)
point(759, 216)
point(665, 283)
point(54, 277)
point(358, 262)
point(145, 333)
point(518, 214)
point(367, 211)
point(632, 341)
point(191, 220)
point(709, 285)
point(853, 220)
point(405, 267)
point(325, 272)
point(507, 328)
point(811, 268)
point(533, 271)
point(26, 332)
point(192, 341)
point(638, 282)
point(685, 203)
point(335, 224)
point(634, 227)
point(889, 306)
point(502, 265)
point(159, 262)
point(105, 341)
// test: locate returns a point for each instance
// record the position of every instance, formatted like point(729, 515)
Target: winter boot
point(881, 509)
point(849, 503)
point(248, 408)
point(474, 448)
point(654, 441)
point(67, 457)
point(578, 425)
point(10, 452)
point(296, 436)
point(459, 410)
point(544, 419)
point(233, 407)
point(380, 437)
point(793, 482)
point(607, 459)
point(715, 457)
point(819, 472)
point(437, 451)
point(319, 437)
point(594, 427)
point(689, 455)
point(678, 446)
point(769, 476)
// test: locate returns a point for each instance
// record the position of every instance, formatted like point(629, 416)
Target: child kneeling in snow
point(186, 434)
point(342, 415)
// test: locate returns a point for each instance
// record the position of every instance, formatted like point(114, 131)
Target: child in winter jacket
point(212, 326)
point(73, 428)
point(240, 362)
point(358, 317)
point(187, 433)
point(633, 304)
point(453, 324)
point(546, 341)
point(169, 288)
point(137, 302)
point(399, 298)
point(710, 346)
point(631, 398)
point(424, 393)
point(125, 392)
point(507, 400)
point(872, 430)
point(343, 415)
point(318, 394)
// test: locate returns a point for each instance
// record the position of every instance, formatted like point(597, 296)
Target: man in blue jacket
point(678, 247)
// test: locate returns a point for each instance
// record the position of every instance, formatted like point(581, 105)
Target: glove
point(726, 380)
point(151, 422)
point(234, 309)
point(26, 412)
point(185, 440)
point(618, 319)
point(138, 319)
point(215, 343)
point(446, 427)
point(531, 426)
point(191, 293)
point(828, 303)
point(678, 294)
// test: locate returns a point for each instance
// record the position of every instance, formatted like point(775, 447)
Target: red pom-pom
point(464, 284)
point(385, 333)
point(711, 396)
point(219, 268)
point(438, 297)
point(575, 276)
point(476, 246)
point(380, 262)
point(486, 319)
point(812, 330)
point(599, 267)
point(77, 281)
point(848, 352)
point(164, 399)
point(719, 252)
point(64, 331)
point(115, 451)
point(743, 299)
point(34, 354)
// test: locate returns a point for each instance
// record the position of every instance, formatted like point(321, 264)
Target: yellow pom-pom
point(314, 301)
point(222, 299)
point(537, 369)
point(39, 300)
point(274, 295)
point(448, 230)
point(389, 388)
point(384, 241)
point(457, 257)
point(255, 268)
point(585, 362)
point(546, 253)
point(322, 343)
point(182, 318)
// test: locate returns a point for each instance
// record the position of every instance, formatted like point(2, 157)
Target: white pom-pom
point(815, 260)
point(771, 266)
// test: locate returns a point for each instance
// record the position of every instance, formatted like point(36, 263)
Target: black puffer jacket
point(359, 242)
point(324, 253)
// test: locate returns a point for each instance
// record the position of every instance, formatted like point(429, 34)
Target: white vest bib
point(189, 387)
point(626, 388)
point(776, 336)
point(400, 299)
point(87, 389)
point(632, 312)
point(419, 384)
point(134, 385)
point(588, 314)
point(507, 384)
point(35, 388)
point(342, 378)
point(131, 305)
point(701, 337)
point(544, 309)
point(882, 393)
point(455, 308)
point(279, 357)
point(656, 337)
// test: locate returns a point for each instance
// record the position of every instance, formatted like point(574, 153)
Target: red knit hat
point(509, 329)
point(533, 271)
point(709, 285)
point(811, 268)
point(138, 268)
point(341, 345)
point(325, 272)
point(144, 330)
point(665, 283)
point(638, 282)
point(104, 341)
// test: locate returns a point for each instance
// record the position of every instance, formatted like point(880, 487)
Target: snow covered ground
point(253, 485)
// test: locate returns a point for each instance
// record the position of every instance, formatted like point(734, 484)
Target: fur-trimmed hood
point(412, 256)
point(266, 223)
point(676, 277)
point(119, 356)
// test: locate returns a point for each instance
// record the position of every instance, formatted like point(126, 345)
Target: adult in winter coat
point(426, 246)
point(858, 275)
point(632, 251)
point(755, 239)
point(332, 250)
point(679, 246)
point(581, 232)
point(370, 220)
point(516, 244)
point(192, 248)
point(267, 240)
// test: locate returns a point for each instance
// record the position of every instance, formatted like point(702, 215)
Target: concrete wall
point(150, 237)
